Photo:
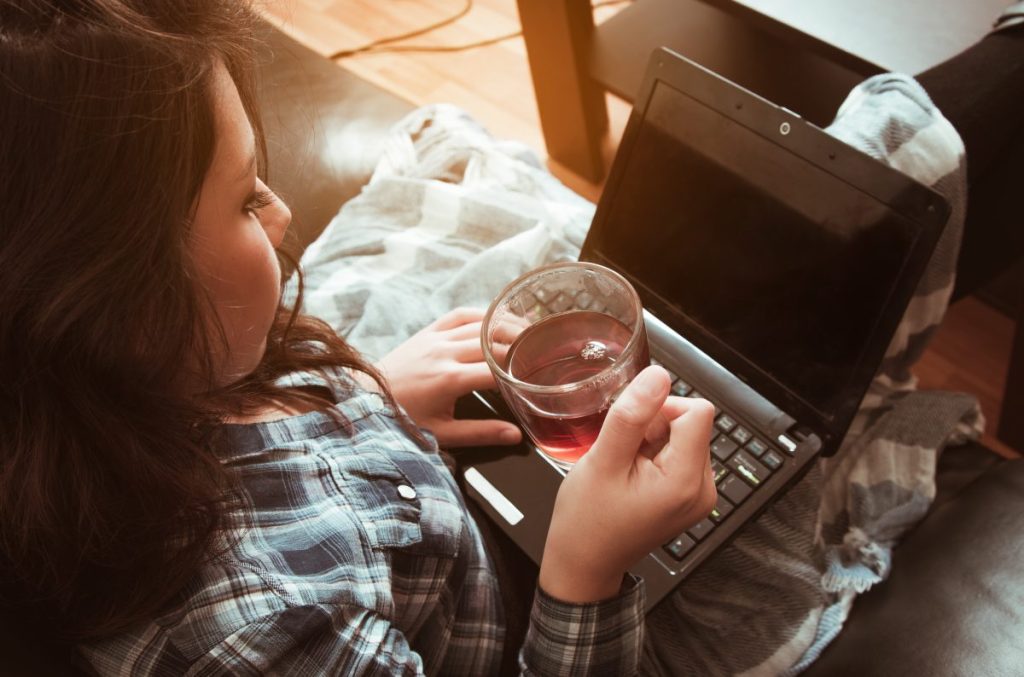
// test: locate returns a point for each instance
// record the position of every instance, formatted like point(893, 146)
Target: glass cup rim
point(638, 331)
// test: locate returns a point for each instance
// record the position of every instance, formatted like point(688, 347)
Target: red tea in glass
point(562, 342)
point(564, 349)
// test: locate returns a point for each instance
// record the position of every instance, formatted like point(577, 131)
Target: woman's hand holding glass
point(646, 479)
point(437, 365)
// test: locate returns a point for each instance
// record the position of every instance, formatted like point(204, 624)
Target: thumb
point(629, 417)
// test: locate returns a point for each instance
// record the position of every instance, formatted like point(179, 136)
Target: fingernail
point(510, 435)
point(650, 383)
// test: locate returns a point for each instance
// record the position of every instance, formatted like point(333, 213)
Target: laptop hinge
point(682, 356)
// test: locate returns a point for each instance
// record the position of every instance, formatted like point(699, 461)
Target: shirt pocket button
point(406, 492)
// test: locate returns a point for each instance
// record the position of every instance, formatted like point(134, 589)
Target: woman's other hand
point(435, 367)
point(646, 479)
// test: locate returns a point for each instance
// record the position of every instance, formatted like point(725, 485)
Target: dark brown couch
point(954, 604)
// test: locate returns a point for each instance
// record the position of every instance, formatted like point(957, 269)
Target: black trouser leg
point(981, 92)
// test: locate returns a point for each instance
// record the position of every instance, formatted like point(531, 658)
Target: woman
point(193, 477)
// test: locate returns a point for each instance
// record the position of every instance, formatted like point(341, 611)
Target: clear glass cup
point(563, 341)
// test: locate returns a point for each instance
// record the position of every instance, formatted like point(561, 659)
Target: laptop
point(774, 263)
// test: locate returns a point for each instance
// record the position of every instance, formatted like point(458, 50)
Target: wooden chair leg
point(573, 114)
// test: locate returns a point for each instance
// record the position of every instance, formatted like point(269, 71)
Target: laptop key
point(722, 448)
point(701, 529)
point(561, 303)
point(529, 300)
point(681, 388)
point(756, 447)
point(680, 546)
point(719, 470)
point(744, 465)
point(741, 435)
point(735, 489)
point(787, 444)
point(725, 423)
point(771, 460)
point(721, 510)
point(584, 301)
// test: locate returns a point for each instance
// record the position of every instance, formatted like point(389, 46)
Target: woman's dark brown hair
point(109, 500)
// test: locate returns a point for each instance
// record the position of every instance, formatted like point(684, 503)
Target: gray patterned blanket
point(452, 214)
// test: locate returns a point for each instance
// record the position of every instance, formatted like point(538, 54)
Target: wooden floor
point(970, 352)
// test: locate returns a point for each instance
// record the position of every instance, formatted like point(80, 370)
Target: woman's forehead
point(235, 143)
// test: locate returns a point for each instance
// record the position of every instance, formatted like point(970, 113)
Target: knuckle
point(702, 406)
point(627, 414)
point(702, 410)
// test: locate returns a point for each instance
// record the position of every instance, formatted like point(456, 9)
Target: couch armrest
point(954, 603)
point(325, 129)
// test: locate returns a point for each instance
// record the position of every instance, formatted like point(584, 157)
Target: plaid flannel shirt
point(360, 558)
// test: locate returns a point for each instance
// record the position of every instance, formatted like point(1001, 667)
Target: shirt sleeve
point(312, 640)
point(596, 638)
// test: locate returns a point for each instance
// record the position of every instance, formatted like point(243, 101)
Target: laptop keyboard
point(741, 462)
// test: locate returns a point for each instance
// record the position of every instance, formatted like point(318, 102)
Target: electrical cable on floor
point(384, 44)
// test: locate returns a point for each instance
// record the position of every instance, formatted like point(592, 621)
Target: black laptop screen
point(752, 247)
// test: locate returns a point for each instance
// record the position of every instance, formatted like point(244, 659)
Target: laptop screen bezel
point(924, 208)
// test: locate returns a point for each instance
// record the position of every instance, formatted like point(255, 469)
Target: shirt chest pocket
point(401, 504)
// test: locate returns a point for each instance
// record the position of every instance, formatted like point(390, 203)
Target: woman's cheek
point(251, 282)
point(263, 288)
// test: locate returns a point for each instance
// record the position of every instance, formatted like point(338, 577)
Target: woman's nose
point(275, 218)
